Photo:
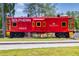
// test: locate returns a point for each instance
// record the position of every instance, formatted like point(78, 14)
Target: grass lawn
point(63, 51)
point(32, 39)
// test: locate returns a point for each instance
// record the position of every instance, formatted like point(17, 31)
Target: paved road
point(34, 44)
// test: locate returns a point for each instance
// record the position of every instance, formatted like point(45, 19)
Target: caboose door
point(71, 24)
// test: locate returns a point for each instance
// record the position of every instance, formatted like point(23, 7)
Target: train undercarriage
point(40, 35)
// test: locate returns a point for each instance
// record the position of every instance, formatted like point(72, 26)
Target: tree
point(39, 9)
point(9, 8)
point(4, 9)
point(68, 13)
point(72, 13)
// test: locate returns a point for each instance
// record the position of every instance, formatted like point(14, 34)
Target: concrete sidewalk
point(31, 42)
point(37, 44)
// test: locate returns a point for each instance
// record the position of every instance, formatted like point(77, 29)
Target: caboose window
point(38, 24)
point(63, 23)
point(14, 24)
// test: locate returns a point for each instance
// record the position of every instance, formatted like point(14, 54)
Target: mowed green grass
point(32, 39)
point(63, 51)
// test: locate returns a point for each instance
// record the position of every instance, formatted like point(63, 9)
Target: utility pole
point(3, 20)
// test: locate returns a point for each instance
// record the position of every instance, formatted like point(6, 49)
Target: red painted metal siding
point(55, 24)
point(50, 24)
point(22, 25)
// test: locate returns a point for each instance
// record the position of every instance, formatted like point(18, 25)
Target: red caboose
point(62, 26)
point(40, 26)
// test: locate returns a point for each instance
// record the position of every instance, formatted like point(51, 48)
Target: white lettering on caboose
point(21, 20)
point(24, 20)
point(22, 28)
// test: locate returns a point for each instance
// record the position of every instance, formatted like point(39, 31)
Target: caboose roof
point(40, 18)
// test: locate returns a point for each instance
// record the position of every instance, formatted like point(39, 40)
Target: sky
point(19, 10)
point(64, 7)
point(60, 8)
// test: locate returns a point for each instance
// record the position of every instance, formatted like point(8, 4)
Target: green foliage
point(9, 8)
point(0, 23)
point(72, 13)
point(77, 23)
point(40, 9)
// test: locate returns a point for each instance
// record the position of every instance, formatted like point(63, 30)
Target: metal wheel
point(16, 35)
point(62, 35)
